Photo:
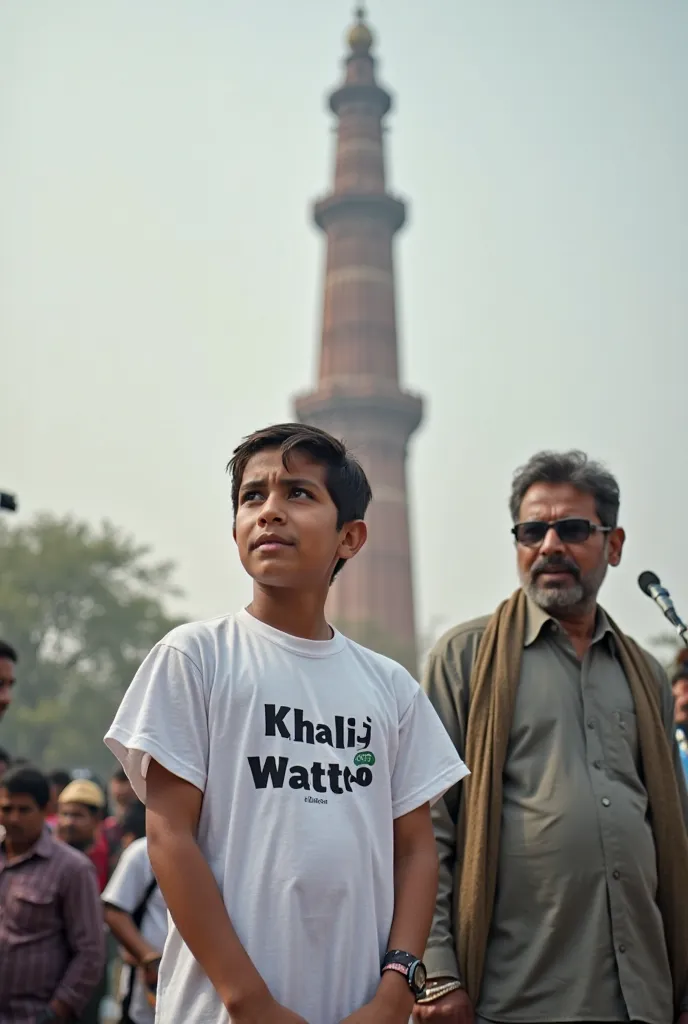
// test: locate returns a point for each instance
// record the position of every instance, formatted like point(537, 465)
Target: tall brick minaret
point(358, 395)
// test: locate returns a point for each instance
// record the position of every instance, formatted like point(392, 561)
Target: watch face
point(418, 976)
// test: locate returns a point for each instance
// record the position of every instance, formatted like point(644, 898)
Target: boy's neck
point(296, 613)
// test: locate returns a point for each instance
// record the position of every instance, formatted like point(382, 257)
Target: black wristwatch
point(409, 966)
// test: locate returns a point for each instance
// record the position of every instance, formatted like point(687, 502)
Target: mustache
point(544, 565)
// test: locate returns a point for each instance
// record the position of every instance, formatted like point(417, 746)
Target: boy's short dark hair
point(8, 652)
point(5, 756)
point(345, 479)
point(119, 775)
point(25, 780)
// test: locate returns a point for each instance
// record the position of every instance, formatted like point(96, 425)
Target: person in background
point(5, 763)
point(8, 666)
point(680, 692)
point(133, 828)
point(564, 861)
point(80, 810)
point(122, 796)
point(136, 914)
point(52, 947)
point(79, 819)
point(133, 824)
point(58, 781)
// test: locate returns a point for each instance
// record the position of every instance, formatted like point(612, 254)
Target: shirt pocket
point(624, 753)
point(31, 911)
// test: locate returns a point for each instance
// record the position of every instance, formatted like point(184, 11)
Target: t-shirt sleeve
point(130, 880)
point(427, 764)
point(163, 716)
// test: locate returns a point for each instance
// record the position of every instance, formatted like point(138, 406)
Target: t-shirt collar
point(295, 644)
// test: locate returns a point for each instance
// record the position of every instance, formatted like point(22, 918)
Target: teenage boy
point(288, 773)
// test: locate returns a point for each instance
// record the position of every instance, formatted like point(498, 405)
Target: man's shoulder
point(135, 858)
point(135, 851)
point(459, 638)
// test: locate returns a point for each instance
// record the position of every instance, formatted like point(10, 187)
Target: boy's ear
point(352, 537)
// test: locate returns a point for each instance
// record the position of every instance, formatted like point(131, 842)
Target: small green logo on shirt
point(364, 757)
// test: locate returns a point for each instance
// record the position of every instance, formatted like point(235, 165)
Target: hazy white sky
point(160, 279)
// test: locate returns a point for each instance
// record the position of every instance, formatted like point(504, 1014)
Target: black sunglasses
point(569, 531)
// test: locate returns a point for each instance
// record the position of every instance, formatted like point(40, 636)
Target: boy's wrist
point(394, 998)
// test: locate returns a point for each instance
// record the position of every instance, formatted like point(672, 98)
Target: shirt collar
point(45, 847)
point(537, 619)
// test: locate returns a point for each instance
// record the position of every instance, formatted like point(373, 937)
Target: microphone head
point(647, 580)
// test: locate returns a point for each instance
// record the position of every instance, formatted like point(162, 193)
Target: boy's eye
point(300, 492)
point(250, 496)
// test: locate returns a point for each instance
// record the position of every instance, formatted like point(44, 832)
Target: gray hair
point(575, 468)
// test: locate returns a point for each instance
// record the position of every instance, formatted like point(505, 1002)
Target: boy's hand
point(381, 1011)
point(265, 1011)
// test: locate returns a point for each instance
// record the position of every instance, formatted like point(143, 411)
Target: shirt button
point(622, 949)
point(616, 874)
point(591, 724)
point(597, 764)
point(606, 801)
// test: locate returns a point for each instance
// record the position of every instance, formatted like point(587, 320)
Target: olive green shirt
point(576, 933)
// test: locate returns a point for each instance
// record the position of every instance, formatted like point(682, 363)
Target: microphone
point(650, 584)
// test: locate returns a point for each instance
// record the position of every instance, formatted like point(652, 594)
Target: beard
point(74, 842)
point(578, 592)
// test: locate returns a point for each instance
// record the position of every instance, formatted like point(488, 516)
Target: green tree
point(83, 607)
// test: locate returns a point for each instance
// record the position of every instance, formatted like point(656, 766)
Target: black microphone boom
point(650, 584)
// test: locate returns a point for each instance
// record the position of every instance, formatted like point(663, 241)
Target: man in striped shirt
point(52, 947)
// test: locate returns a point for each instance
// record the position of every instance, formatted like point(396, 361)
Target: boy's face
point(286, 523)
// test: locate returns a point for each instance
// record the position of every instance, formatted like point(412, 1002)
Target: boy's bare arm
point(415, 890)
point(195, 902)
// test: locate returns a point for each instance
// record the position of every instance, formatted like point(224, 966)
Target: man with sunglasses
point(560, 860)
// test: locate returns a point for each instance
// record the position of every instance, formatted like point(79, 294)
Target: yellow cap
point(82, 791)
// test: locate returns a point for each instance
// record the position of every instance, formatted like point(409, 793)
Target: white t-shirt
point(306, 751)
point(126, 890)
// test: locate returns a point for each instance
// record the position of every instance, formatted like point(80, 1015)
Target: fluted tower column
point(358, 395)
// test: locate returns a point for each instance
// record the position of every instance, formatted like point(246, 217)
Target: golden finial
point(360, 38)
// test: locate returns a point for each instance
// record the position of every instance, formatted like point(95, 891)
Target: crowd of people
point(82, 920)
point(337, 844)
